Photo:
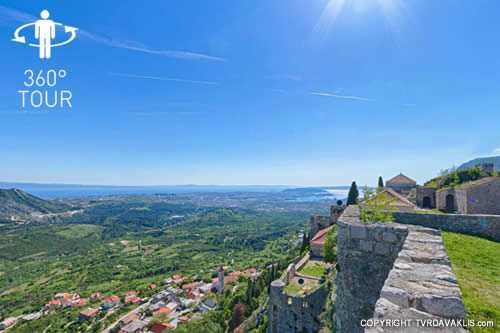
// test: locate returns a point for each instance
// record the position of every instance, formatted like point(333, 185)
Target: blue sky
point(254, 92)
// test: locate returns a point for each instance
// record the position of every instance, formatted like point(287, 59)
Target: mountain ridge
point(19, 204)
point(472, 163)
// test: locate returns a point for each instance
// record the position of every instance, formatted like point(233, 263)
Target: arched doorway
point(427, 202)
point(450, 202)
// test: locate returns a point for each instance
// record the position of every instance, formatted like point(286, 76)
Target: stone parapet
point(487, 226)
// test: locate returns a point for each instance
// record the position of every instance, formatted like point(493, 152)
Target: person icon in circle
point(45, 31)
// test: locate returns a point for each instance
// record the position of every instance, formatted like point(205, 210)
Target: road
point(136, 310)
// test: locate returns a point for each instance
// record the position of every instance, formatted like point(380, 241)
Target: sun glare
point(334, 8)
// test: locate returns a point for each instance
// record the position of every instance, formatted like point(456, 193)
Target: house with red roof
point(160, 328)
point(80, 302)
point(87, 314)
point(152, 286)
point(130, 294)
point(162, 310)
point(127, 319)
point(318, 241)
point(97, 296)
point(230, 278)
point(190, 285)
point(55, 303)
point(111, 302)
point(68, 300)
point(401, 184)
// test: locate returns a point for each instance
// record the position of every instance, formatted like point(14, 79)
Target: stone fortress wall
point(295, 313)
point(390, 270)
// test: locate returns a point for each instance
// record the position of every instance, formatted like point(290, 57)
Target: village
point(168, 307)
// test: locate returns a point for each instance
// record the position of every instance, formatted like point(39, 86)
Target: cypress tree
point(380, 182)
point(305, 242)
point(352, 197)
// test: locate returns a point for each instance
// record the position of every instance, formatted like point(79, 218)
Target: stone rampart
point(390, 270)
point(487, 226)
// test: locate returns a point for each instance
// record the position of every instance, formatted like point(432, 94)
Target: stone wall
point(365, 255)
point(487, 226)
point(390, 270)
point(318, 222)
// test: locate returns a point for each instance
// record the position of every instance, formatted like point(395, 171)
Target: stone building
point(401, 184)
point(400, 202)
point(481, 196)
point(220, 285)
point(318, 241)
point(426, 197)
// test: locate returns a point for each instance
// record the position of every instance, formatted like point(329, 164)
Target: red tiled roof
point(230, 278)
point(129, 318)
point(89, 312)
point(399, 200)
point(79, 302)
point(152, 286)
point(184, 319)
point(162, 310)
point(132, 300)
point(176, 276)
point(401, 179)
point(320, 236)
point(130, 293)
point(53, 302)
point(485, 180)
point(190, 285)
point(159, 327)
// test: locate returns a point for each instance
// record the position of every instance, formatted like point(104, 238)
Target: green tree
point(305, 243)
point(380, 182)
point(238, 315)
point(330, 247)
point(375, 206)
point(352, 197)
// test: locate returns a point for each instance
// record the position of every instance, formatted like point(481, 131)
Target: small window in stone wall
point(289, 301)
point(304, 304)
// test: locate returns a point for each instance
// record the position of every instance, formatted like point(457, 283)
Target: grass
point(293, 288)
point(313, 269)
point(429, 211)
point(476, 264)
